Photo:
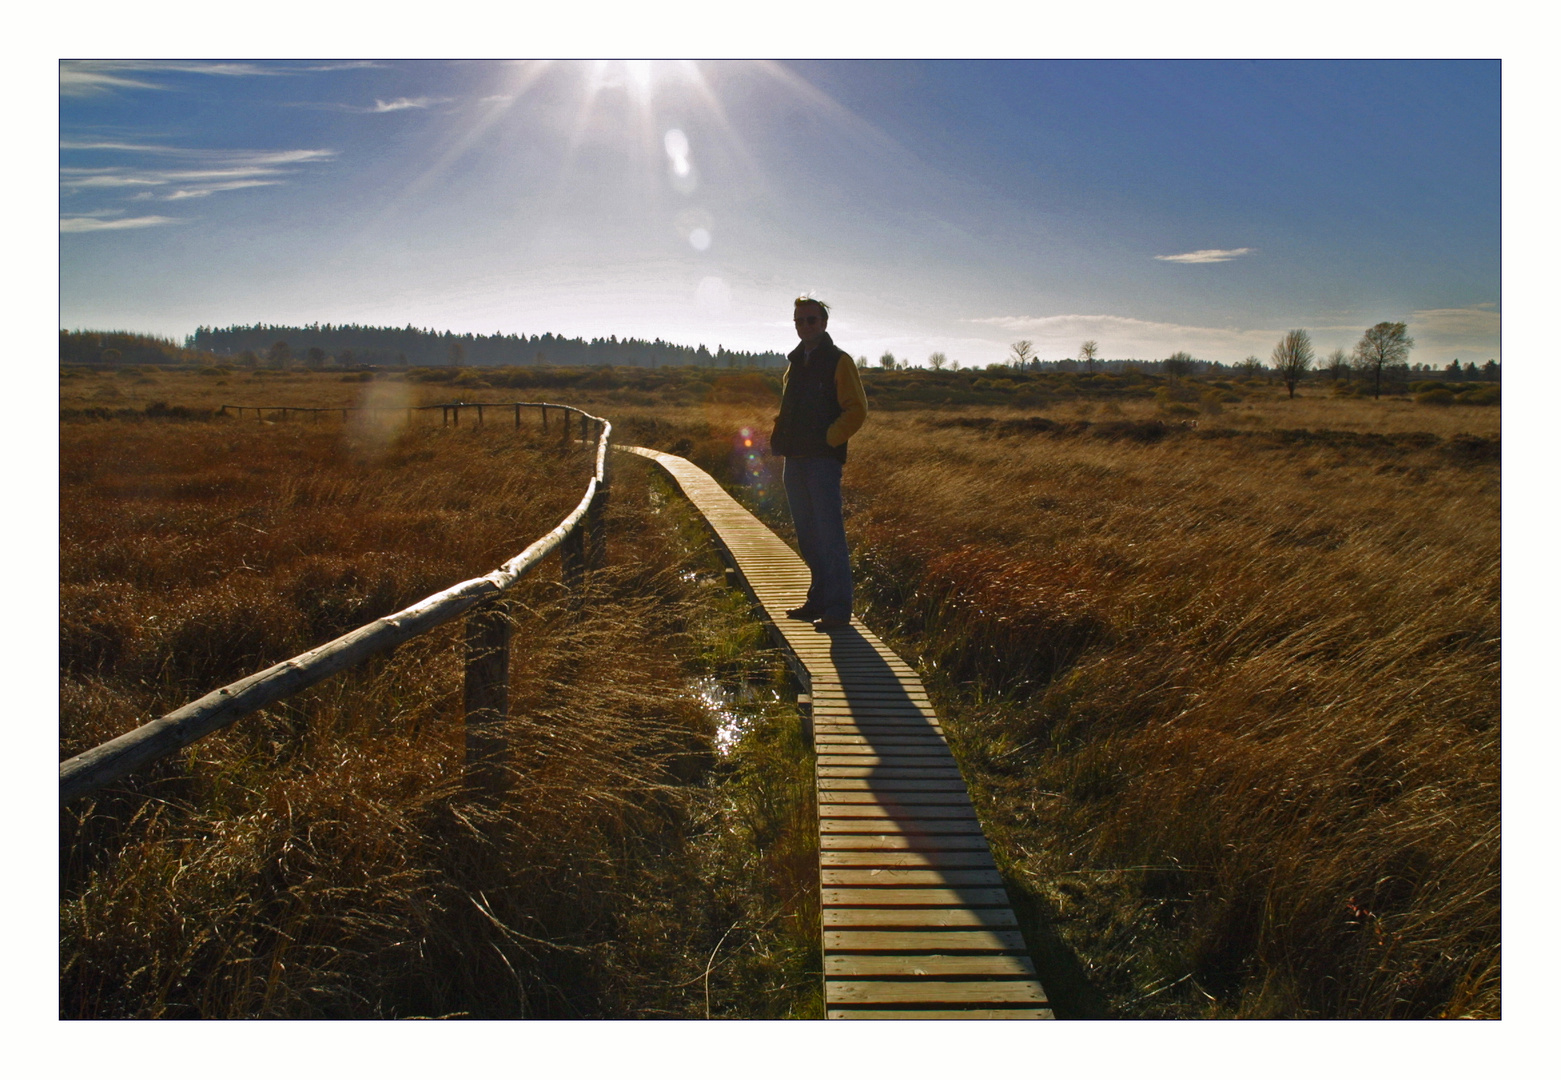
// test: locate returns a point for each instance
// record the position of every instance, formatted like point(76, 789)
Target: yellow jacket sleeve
point(853, 402)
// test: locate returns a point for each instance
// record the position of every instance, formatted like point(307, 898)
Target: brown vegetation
point(322, 857)
point(1223, 670)
point(1228, 692)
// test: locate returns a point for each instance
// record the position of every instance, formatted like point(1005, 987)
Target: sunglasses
point(805, 320)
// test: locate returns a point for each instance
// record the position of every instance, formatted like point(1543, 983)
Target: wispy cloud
point(209, 189)
point(1207, 255)
point(80, 78)
point(206, 171)
point(405, 103)
point(1478, 324)
point(82, 223)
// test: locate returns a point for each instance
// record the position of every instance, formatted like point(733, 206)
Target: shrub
point(1439, 396)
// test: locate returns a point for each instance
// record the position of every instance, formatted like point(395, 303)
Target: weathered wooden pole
point(544, 418)
point(571, 558)
point(456, 412)
point(517, 416)
point(479, 416)
point(446, 415)
point(486, 690)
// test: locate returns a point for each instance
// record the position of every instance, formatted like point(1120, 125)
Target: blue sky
point(948, 205)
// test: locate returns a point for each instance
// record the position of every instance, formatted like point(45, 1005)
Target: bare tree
point(1338, 366)
point(936, 361)
point(280, 355)
point(1383, 346)
point(457, 354)
point(1176, 365)
point(1251, 366)
point(886, 361)
point(1022, 352)
point(1087, 353)
point(1293, 358)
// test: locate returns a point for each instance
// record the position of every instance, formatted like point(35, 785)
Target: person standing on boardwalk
point(822, 406)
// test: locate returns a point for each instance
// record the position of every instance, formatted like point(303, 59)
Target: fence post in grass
point(479, 416)
point(486, 690)
point(544, 418)
point(517, 417)
point(571, 557)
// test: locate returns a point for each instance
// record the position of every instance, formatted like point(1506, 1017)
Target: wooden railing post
point(486, 689)
point(571, 557)
point(596, 518)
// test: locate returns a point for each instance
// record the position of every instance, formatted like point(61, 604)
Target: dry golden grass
point(1227, 691)
point(323, 857)
point(1230, 700)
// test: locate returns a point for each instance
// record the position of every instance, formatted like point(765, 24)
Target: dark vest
point(811, 403)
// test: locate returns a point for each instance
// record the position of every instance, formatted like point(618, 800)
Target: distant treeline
point(123, 347)
point(322, 344)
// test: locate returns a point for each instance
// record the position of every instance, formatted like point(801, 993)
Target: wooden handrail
point(117, 758)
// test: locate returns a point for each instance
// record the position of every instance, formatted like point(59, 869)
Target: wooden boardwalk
point(916, 921)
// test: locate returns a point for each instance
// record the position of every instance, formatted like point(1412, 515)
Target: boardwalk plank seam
point(916, 921)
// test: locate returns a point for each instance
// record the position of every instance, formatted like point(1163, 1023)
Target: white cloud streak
point(1207, 255)
point(226, 170)
point(82, 78)
point(96, 224)
point(405, 103)
point(1478, 324)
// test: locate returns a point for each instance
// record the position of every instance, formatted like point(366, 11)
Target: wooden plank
point(895, 798)
point(998, 965)
point(898, 759)
point(929, 771)
point(837, 897)
point(888, 784)
point(884, 826)
point(911, 860)
point(940, 1014)
point(834, 725)
point(906, 917)
point(887, 841)
point(898, 812)
point(923, 941)
point(984, 992)
point(936, 749)
point(889, 877)
point(832, 743)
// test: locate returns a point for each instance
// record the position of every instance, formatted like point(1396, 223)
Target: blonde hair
point(799, 301)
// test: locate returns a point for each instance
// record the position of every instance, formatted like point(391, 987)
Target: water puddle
point(736, 712)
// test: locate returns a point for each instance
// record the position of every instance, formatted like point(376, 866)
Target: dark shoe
point(803, 613)
point(830, 622)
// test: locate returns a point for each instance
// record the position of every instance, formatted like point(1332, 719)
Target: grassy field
point(1223, 670)
point(322, 858)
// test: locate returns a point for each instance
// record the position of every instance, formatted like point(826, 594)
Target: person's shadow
point(917, 781)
